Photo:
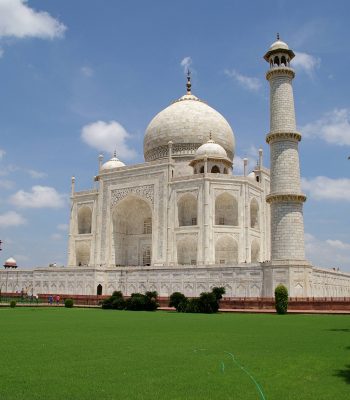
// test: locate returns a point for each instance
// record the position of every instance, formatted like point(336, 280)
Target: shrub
point(182, 306)
point(281, 299)
point(118, 303)
point(193, 306)
point(13, 304)
point(151, 301)
point(68, 303)
point(176, 299)
point(137, 302)
point(218, 292)
point(208, 303)
point(117, 293)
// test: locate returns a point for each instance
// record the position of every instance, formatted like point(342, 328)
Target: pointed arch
point(254, 214)
point(215, 169)
point(226, 250)
point(132, 231)
point(255, 251)
point(84, 220)
point(226, 210)
point(82, 253)
point(187, 210)
point(99, 290)
point(187, 251)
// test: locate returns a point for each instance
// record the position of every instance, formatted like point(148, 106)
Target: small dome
point(251, 175)
point(114, 162)
point(10, 263)
point(211, 150)
point(279, 44)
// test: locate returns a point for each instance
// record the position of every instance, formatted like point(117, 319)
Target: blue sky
point(66, 65)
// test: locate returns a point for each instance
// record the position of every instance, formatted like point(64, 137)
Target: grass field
point(59, 353)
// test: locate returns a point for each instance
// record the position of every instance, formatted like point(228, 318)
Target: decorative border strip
point(144, 191)
point(281, 197)
point(280, 71)
point(178, 149)
point(278, 136)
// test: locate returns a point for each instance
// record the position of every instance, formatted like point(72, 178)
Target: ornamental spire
point(278, 36)
point(188, 84)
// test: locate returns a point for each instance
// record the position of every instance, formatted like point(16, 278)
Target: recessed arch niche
point(226, 210)
point(132, 231)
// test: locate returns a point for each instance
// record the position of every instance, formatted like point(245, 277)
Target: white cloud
point(36, 174)
point(39, 197)
point(328, 253)
point(186, 63)
point(2, 154)
point(238, 165)
point(108, 136)
point(247, 82)
point(323, 188)
point(6, 184)
point(18, 20)
point(8, 169)
point(338, 244)
point(62, 227)
point(304, 62)
point(11, 218)
point(333, 127)
point(56, 236)
point(87, 71)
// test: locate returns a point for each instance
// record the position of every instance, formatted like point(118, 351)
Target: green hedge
point(136, 302)
point(207, 302)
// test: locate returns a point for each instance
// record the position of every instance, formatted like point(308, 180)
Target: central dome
point(187, 123)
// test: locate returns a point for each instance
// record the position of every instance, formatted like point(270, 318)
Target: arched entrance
point(187, 251)
point(132, 232)
point(226, 210)
point(99, 290)
point(187, 210)
point(255, 251)
point(84, 220)
point(226, 250)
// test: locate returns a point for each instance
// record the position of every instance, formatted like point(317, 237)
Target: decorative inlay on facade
point(276, 197)
point(145, 191)
point(275, 136)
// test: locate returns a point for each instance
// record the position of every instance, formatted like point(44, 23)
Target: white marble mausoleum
point(184, 220)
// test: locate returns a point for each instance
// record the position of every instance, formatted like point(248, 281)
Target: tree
point(281, 299)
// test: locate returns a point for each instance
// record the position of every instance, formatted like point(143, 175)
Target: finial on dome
point(188, 84)
point(115, 153)
point(278, 36)
point(210, 138)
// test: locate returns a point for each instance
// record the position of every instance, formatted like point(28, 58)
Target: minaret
point(285, 198)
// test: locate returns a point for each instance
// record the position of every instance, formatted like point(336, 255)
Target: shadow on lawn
point(344, 374)
point(340, 330)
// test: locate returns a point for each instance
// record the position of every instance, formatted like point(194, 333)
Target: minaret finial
point(210, 138)
point(278, 36)
point(115, 153)
point(188, 84)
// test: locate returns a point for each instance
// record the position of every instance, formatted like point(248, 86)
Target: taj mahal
point(184, 221)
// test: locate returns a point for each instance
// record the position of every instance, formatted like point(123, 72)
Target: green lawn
point(57, 353)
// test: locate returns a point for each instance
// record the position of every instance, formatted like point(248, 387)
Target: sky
point(82, 77)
